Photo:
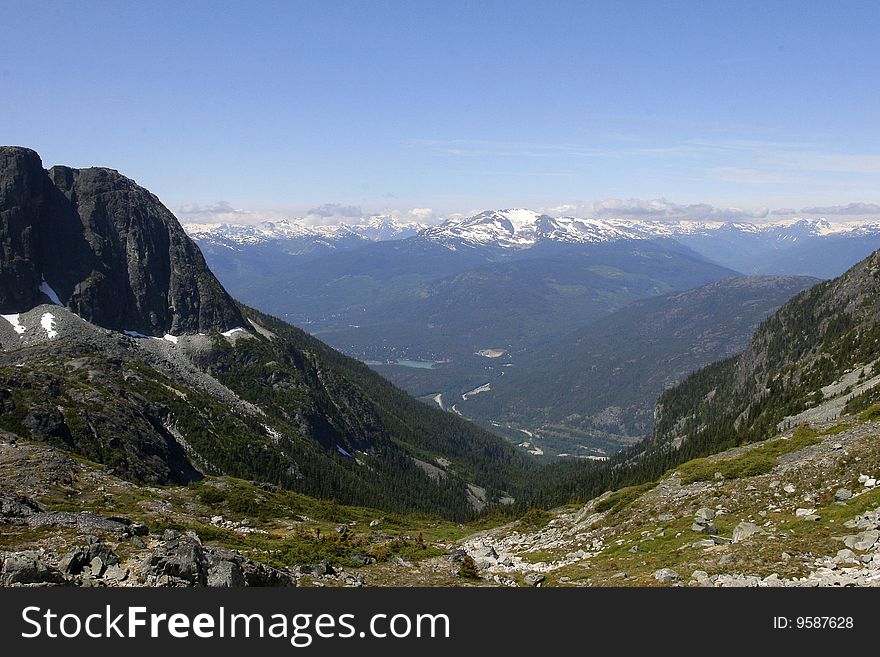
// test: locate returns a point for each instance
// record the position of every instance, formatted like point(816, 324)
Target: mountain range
point(446, 312)
point(785, 245)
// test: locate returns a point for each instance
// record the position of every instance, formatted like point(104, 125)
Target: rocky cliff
point(104, 247)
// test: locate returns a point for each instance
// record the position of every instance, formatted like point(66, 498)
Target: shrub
point(535, 519)
point(468, 568)
point(620, 499)
point(211, 495)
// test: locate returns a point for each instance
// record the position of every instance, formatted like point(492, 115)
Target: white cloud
point(332, 214)
point(655, 209)
point(218, 212)
point(852, 209)
point(336, 210)
point(415, 215)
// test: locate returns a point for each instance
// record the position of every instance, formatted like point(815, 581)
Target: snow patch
point(231, 331)
point(15, 321)
point(46, 289)
point(47, 321)
point(343, 452)
point(135, 334)
point(170, 338)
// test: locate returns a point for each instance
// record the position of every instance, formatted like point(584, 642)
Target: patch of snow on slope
point(46, 289)
point(170, 338)
point(343, 452)
point(231, 331)
point(47, 321)
point(15, 321)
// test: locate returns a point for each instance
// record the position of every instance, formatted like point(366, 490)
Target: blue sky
point(282, 107)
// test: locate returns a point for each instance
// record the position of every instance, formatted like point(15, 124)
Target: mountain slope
point(798, 359)
point(517, 304)
point(594, 390)
point(225, 389)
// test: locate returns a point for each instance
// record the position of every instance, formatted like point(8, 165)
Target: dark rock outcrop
point(27, 568)
point(107, 247)
point(182, 560)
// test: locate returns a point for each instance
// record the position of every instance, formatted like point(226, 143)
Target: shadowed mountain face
point(106, 248)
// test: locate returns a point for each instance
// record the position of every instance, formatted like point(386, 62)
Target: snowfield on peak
point(520, 228)
point(373, 228)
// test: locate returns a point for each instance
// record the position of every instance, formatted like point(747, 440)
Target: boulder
point(842, 494)
point(534, 579)
point(745, 530)
point(709, 529)
point(179, 561)
point(94, 555)
point(116, 573)
point(27, 567)
point(845, 556)
point(704, 515)
point(317, 569)
point(17, 506)
point(666, 575)
point(862, 541)
point(701, 578)
point(457, 555)
point(225, 574)
point(363, 559)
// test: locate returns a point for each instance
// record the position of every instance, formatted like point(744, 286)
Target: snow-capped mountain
point(370, 229)
point(521, 228)
point(380, 228)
